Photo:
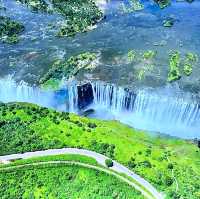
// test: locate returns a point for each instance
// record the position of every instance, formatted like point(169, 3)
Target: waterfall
point(159, 110)
point(116, 98)
point(72, 98)
point(63, 100)
point(10, 91)
point(162, 111)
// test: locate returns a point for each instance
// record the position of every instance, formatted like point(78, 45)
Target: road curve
point(117, 167)
point(105, 170)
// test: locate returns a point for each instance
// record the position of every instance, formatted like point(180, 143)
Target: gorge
point(158, 110)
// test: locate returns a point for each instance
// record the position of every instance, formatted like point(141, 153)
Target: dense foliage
point(174, 73)
point(68, 68)
point(165, 3)
point(9, 30)
point(36, 5)
point(178, 65)
point(62, 182)
point(109, 163)
point(78, 15)
point(172, 165)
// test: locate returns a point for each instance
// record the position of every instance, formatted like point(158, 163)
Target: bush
point(109, 162)
point(92, 125)
point(168, 181)
point(170, 166)
point(131, 164)
point(103, 148)
point(146, 164)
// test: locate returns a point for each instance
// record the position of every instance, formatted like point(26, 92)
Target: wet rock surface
point(85, 96)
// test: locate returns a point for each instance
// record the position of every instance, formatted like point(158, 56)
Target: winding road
point(117, 167)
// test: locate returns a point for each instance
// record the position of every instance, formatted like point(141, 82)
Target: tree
point(198, 143)
point(170, 166)
point(168, 181)
point(109, 162)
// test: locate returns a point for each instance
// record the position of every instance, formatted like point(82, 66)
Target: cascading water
point(72, 98)
point(10, 91)
point(160, 110)
point(116, 98)
point(63, 99)
point(150, 110)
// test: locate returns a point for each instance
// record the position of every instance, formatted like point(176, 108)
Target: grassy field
point(172, 165)
point(61, 182)
point(63, 157)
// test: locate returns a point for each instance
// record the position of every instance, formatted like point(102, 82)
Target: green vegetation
point(131, 55)
point(35, 5)
point(25, 127)
point(150, 54)
point(144, 59)
point(134, 5)
point(142, 72)
point(62, 181)
point(109, 163)
point(168, 22)
point(163, 3)
point(67, 69)
point(51, 84)
point(174, 62)
point(78, 15)
point(64, 157)
point(147, 55)
point(178, 66)
point(188, 63)
point(9, 30)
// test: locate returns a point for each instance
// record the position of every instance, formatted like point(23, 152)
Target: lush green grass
point(62, 182)
point(64, 157)
point(26, 127)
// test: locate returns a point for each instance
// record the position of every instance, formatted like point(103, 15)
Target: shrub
point(131, 164)
point(92, 125)
point(174, 73)
point(148, 152)
point(168, 181)
point(147, 164)
point(170, 166)
point(109, 162)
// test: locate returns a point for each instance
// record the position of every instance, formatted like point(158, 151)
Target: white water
point(72, 98)
point(160, 111)
point(12, 92)
point(149, 110)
